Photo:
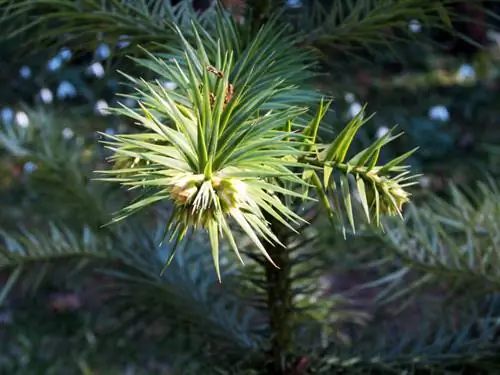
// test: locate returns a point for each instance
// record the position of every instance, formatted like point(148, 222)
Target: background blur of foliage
point(443, 89)
point(454, 76)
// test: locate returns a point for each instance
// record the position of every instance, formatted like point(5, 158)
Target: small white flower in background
point(7, 115)
point(425, 182)
point(169, 85)
point(349, 97)
point(96, 69)
point(65, 54)
point(29, 167)
point(383, 130)
point(66, 90)
point(46, 95)
point(54, 64)
point(123, 42)
point(294, 3)
point(22, 119)
point(110, 131)
point(414, 26)
point(67, 133)
point(440, 113)
point(101, 107)
point(355, 109)
point(102, 52)
point(25, 72)
point(466, 72)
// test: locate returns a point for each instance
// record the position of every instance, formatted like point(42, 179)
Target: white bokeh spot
point(101, 107)
point(46, 95)
point(96, 69)
point(439, 113)
point(355, 109)
point(65, 90)
point(22, 119)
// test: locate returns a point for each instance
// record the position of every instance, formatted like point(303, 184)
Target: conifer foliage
point(228, 142)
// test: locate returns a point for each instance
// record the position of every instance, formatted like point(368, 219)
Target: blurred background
point(441, 86)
